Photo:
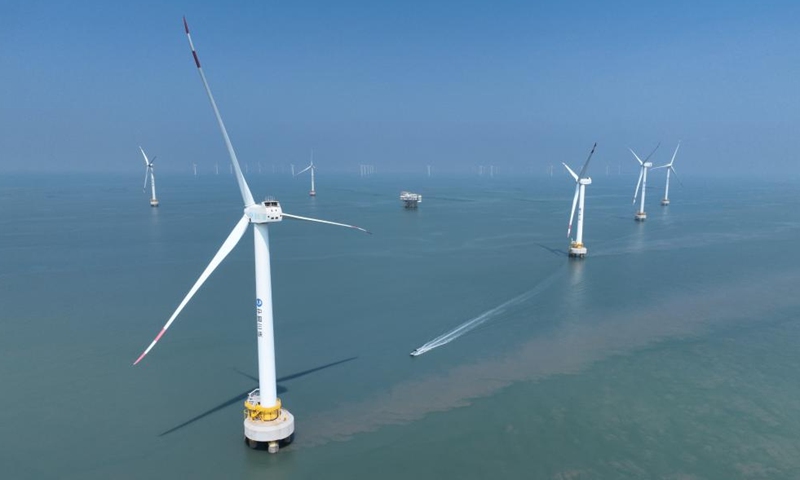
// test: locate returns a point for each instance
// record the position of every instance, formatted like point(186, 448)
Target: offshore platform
point(410, 200)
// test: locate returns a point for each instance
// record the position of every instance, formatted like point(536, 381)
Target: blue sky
point(517, 84)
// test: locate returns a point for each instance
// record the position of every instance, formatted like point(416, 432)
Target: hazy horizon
point(400, 86)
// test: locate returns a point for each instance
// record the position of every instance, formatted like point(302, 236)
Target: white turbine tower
point(148, 171)
point(311, 167)
point(265, 419)
point(641, 215)
point(670, 168)
point(576, 247)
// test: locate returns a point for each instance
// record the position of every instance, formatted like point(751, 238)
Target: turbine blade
point(146, 161)
point(574, 175)
point(146, 171)
point(638, 183)
point(673, 155)
point(298, 217)
point(654, 151)
point(586, 165)
point(227, 246)
point(676, 174)
point(637, 156)
point(572, 214)
point(304, 170)
point(246, 195)
point(153, 161)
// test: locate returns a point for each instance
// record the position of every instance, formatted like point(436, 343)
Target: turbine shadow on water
point(554, 251)
point(243, 396)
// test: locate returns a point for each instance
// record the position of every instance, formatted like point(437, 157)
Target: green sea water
point(669, 352)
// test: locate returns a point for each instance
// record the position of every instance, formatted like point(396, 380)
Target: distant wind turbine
point(313, 168)
point(669, 168)
point(576, 247)
point(148, 171)
point(641, 215)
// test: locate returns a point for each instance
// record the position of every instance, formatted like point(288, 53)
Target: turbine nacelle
point(268, 211)
point(647, 164)
point(585, 181)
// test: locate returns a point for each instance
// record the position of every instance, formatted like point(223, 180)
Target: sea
point(669, 352)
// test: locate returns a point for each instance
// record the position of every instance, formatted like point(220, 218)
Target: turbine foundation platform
point(640, 216)
point(665, 202)
point(267, 426)
point(577, 250)
point(312, 193)
point(273, 433)
point(153, 202)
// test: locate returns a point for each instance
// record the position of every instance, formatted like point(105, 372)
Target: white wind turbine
point(265, 420)
point(148, 171)
point(669, 168)
point(641, 215)
point(311, 167)
point(576, 247)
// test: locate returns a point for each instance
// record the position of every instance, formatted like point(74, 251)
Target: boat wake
point(484, 317)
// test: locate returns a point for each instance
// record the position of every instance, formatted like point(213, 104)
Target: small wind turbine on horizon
point(641, 215)
point(313, 168)
point(576, 247)
point(670, 168)
point(148, 171)
point(266, 421)
point(194, 168)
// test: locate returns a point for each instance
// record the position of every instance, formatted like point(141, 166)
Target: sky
point(400, 84)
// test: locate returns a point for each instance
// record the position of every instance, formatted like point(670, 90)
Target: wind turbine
point(576, 247)
point(641, 215)
point(670, 168)
point(266, 421)
point(148, 169)
point(311, 167)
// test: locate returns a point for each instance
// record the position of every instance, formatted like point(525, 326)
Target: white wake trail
point(484, 317)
